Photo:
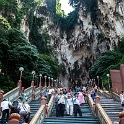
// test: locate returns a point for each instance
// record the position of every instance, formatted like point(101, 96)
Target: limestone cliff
point(87, 40)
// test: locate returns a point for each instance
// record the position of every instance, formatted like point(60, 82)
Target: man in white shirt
point(5, 110)
point(77, 108)
point(61, 104)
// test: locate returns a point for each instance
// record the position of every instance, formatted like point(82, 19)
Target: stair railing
point(15, 93)
point(91, 104)
point(34, 93)
point(98, 111)
point(12, 95)
point(102, 116)
point(112, 95)
point(43, 111)
point(39, 116)
point(50, 105)
point(116, 96)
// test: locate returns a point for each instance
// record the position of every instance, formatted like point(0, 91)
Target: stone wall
point(117, 78)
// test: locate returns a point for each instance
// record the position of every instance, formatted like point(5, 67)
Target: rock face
point(87, 40)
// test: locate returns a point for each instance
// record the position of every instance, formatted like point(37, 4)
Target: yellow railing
point(44, 111)
point(39, 116)
point(102, 116)
point(50, 105)
point(12, 95)
point(98, 111)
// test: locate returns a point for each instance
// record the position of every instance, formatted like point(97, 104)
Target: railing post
point(33, 93)
point(22, 89)
point(43, 102)
point(14, 118)
point(121, 116)
point(94, 108)
point(111, 96)
point(19, 84)
point(1, 99)
point(97, 101)
point(46, 113)
point(40, 91)
point(32, 83)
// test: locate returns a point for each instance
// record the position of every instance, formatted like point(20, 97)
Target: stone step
point(87, 117)
point(111, 107)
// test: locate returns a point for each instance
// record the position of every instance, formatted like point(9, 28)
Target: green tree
point(53, 64)
point(102, 65)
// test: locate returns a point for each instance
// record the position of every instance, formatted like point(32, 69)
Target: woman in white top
point(69, 105)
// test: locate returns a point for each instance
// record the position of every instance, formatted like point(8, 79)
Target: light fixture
point(33, 73)
point(21, 69)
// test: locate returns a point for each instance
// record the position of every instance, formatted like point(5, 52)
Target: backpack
point(14, 108)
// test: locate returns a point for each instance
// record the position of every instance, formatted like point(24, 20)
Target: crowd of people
point(19, 106)
point(66, 102)
point(69, 103)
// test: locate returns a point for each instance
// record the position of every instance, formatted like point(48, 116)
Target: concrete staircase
point(87, 117)
point(34, 106)
point(111, 107)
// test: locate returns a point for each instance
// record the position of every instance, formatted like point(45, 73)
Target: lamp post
point(55, 83)
point(1, 71)
point(102, 83)
point(108, 80)
point(49, 81)
point(40, 75)
point(21, 69)
point(59, 83)
point(45, 79)
point(52, 82)
point(33, 73)
point(94, 84)
point(89, 82)
point(98, 80)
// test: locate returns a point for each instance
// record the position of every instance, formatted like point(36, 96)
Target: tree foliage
point(17, 52)
point(38, 39)
point(91, 6)
point(58, 8)
point(54, 67)
point(107, 61)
